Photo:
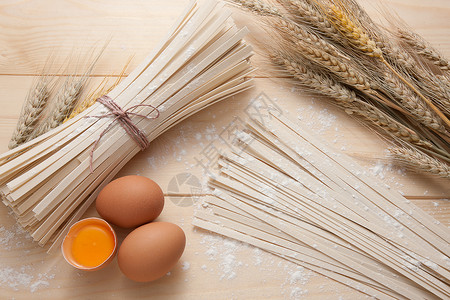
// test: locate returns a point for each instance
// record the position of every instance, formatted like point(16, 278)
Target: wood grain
point(30, 31)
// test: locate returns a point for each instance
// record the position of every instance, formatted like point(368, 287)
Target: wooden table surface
point(211, 267)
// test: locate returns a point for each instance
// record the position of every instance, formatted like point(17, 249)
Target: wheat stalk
point(358, 38)
point(347, 99)
point(345, 71)
point(417, 161)
point(402, 60)
point(31, 113)
point(396, 55)
point(67, 98)
point(430, 85)
point(444, 102)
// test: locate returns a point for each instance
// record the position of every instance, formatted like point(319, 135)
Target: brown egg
point(130, 201)
point(150, 251)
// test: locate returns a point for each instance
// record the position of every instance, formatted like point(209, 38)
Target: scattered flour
point(22, 278)
point(326, 119)
point(225, 253)
point(13, 238)
point(379, 169)
point(19, 277)
point(297, 278)
point(185, 266)
point(16, 278)
point(257, 256)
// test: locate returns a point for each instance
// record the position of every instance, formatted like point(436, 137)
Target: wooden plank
point(31, 30)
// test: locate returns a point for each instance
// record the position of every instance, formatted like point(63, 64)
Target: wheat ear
point(297, 32)
point(346, 72)
point(66, 100)
point(257, 7)
point(348, 100)
point(360, 40)
point(89, 100)
point(393, 53)
point(397, 57)
point(435, 89)
point(444, 85)
point(417, 161)
point(412, 103)
point(31, 113)
point(354, 34)
point(309, 14)
point(99, 91)
point(424, 49)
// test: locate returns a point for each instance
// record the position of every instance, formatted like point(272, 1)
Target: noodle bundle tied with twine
point(50, 182)
point(123, 117)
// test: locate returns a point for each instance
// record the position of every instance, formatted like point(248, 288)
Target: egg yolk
point(92, 245)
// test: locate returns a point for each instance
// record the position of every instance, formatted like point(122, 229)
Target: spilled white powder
point(185, 266)
point(15, 279)
point(297, 278)
point(5, 236)
point(326, 119)
point(224, 253)
point(41, 282)
point(257, 256)
point(19, 277)
point(223, 250)
point(378, 170)
point(22, 278)
point(14, 237)
point(211, 132)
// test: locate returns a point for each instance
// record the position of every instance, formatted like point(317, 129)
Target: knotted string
point(123, 117)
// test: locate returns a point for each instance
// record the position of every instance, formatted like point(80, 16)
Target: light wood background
point(211, 267)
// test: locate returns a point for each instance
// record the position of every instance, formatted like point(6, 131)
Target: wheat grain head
point(424, 49)
point(338, 66)
point(31, 113)
point(352, 32)
point(66, 99)
point(418, 161)
point(309, 14)
point(347, 99)
point(412, 103)
point(258, 7)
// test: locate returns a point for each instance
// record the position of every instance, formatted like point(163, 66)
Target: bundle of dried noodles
point(285, 191)
point(48, 182)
